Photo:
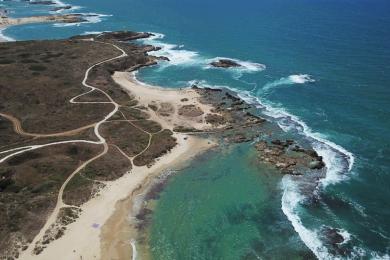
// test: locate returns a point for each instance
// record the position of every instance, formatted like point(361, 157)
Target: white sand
point(147, 94)
point(82, 239)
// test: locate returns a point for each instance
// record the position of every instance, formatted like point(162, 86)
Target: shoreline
point(4, 38)
point(103, 228)
point(118, 237)
point(133, 81)
point(6, 22)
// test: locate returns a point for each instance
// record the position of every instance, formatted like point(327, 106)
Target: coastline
point(284, 105)
point(6, 22)
point(3, 38)
point(102, 229)
point(118, 237)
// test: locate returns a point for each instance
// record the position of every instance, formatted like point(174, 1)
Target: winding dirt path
point(53, 216)
point(29, 252)
point(19, 129)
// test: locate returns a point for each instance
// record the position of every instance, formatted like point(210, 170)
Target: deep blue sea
point(320, 69)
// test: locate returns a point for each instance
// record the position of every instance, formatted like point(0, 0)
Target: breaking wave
point(6, 38)
point(338, 161)
point(93, 32)
point(175, 53)
point(245, 66)
point(178, 56)
point(290, 80)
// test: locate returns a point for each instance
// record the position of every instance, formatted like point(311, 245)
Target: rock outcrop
point(225, 63)
point(290, 160)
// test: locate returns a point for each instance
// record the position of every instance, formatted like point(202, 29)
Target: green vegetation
point(37, 68)
point(127, 137)
point(134, 114)
point(148, 126)
point(78, 191)
point(161, 144)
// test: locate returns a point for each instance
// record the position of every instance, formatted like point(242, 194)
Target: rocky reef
point(289, 158)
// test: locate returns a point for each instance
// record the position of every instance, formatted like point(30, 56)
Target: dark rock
point(213, 89)
point(240, 138)
point(334, 239)
point(230, 96)
point(163, 58)
point(312, 153)
point(316, 165)
point(277, 142)
point(67, 7)
point(225, 63)
point(42, 3)
point(124, 36)
point(298, 149)
point(289, 142)
point(291, 172)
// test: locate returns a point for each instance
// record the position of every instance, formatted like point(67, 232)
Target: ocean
point(319, 69)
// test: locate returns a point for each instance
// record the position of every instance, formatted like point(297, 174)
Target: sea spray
point(4, 37)
point(291, 200)
point(337, 159)
point(134, 249)
point(290, 80)
point(178, 56)
point(244, 66)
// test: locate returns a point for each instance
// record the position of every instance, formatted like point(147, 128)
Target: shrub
point(37, 68)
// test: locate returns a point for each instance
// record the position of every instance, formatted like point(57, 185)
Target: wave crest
point(290, 80)
point(178, 56)
point(245, 66)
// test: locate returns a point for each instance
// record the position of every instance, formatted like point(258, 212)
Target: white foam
point(59, 3)
point(300, 78)
point(345, 234)
point(155, 36)
point(4, 37)
point(324, 147)
point(290, 201)
point(176, 55)
point(245, 66)
point(93, 32)
point(337, 159)
point(134, 249)
point(360, 253)
point(290, 80)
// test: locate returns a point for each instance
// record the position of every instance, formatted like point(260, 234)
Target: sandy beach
point(102, 230)
point(169, 99)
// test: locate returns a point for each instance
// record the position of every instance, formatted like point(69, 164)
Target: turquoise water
point(320, 69)
point(218, 210)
